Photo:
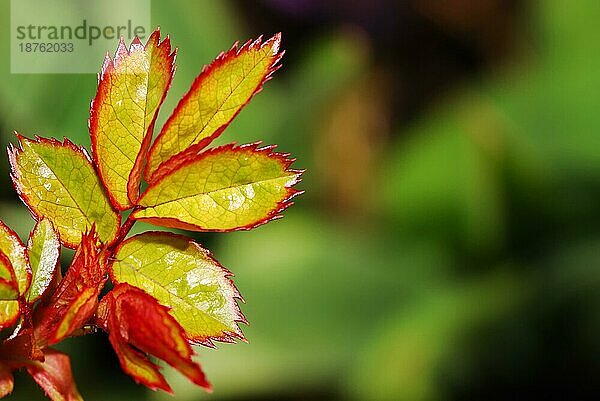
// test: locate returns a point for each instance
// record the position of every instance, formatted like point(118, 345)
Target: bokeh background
point(448, 244)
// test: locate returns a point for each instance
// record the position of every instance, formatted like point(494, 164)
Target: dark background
point(448, 244)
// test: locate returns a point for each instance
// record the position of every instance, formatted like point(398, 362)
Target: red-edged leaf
point(7, 382)
point(21, 346)
point(184, 277)
point(223, 189)
point(133, 317)
point(217, 95)
point(137, 365)
point(78, 312)
point(54, 376)
point(76, 298)
point(9, 313)
point(9, 286)
point(133, 362)
point(43, 251)
point(87, 269)
point(14, 250)
point(57, 180)
point(131, 88)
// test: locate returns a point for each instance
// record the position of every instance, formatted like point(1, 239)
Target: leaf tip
point(136, 40)
point(275, 43)
point(154, 38)
point(121, 52)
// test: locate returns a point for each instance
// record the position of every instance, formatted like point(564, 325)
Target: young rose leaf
point(54, 376)
point(9, 287)
point(75, 300)
point(217, 95)
point(132, 317)
point(87, 269)
point(9, 313)
point(57, 180)
point(21, 345)
point(223, 189)
point(78, 312)
point(14, 250)
point(7, 382)
point(137, 365)
point(131, 88)
point(183, 276)
point(43, 250)
point(17, 352)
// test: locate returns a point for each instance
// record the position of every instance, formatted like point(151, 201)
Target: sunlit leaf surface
point(223, 189)
point(13, 248)
point(215, 98)
point(9, 287)
point(43, 250)
point(56, 180)
point(183, 276)
point(131, 89)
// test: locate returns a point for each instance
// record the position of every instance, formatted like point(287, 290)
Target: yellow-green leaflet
point(56, 180)
point(13, 248)
point(223, 189)
point(9, 288)
point(130, 90)
point(217, 95)
point(182, 275)
point(9, 313)
point(43, 250)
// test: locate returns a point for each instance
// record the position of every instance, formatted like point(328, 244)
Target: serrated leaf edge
point(13, 277)
point(13, 153)
point(221, 59)
point(17, 239)
point(227, 337)
point(109, 65)
point(186, 158)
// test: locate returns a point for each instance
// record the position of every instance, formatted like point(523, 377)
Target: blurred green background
point(448, 244)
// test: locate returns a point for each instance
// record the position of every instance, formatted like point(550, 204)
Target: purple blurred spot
point(294, 7)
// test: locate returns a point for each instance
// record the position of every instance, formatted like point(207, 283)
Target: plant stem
point(125, 228)
point(123, 231)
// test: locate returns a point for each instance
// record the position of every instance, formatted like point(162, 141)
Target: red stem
point(122, 233)
point(125, 228)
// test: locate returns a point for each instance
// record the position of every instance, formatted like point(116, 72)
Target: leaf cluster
point(166, 291)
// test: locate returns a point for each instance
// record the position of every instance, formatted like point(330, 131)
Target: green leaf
point(9, 288)
point(43, 250)
point(9, 313)
point(223, 189)
point(13, 248)
point(182, 275)
point(217, 95)
point(131, 88)
point(57, 180)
